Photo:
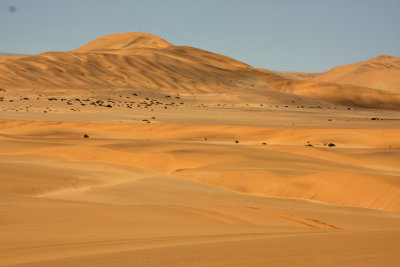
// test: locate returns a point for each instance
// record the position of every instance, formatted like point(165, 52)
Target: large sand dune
point(147, 62)
point(381, 72)
point(130, 151)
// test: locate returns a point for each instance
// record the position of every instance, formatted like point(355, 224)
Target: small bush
point(85, 136)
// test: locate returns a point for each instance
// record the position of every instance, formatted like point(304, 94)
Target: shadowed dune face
point(178, 70)
point(147, 62)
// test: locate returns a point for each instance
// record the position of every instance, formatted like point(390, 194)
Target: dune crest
point(123, 41)
point(144, 61)
point(381, 72)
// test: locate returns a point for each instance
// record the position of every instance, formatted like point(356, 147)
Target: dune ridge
point(381, 72)
point(124, 41)
point(144, 61)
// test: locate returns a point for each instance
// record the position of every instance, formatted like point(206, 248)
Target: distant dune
point(11, 54)
point(381, 72)
point(144, 61)
point(124, 41)
point(296, 75)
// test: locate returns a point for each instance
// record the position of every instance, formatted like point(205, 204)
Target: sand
point(381, 72)
point(147, 62)
point(94, 173)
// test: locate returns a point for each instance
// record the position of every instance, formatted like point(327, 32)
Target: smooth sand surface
point(186, 175)
point(189, 194)
point(381, 72)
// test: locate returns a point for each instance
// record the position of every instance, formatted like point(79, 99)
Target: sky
point(286, 35)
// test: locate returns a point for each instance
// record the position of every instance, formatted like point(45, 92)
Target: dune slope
point(164, 195)
point(381, 72)
point(286, 169)
point(130, 151)
point(144, 61)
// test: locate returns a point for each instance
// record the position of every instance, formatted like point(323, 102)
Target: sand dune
point(130, 151)
point(124, 41)
point(251, 252)
point(315, 173)
point(381, 72)
point(147, 62)
point(11, 55)
point(343, 94)
point(296, 75)
point(129, 191)
point(126, 60)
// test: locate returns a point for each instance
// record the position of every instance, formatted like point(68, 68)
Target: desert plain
point(130, 151)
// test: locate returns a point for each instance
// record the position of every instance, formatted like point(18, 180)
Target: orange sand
point(193, 159)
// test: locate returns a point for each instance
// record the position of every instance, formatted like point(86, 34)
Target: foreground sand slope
point(129, 192)
point(147, 62)
point(285, 167)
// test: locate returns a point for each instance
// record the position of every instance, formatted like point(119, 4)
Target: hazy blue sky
point(297, 35)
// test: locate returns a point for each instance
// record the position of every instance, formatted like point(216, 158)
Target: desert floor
point(196, 180)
